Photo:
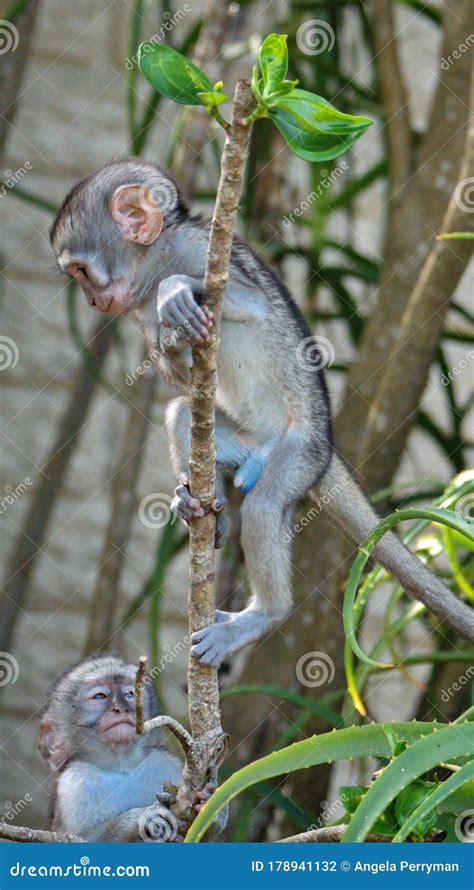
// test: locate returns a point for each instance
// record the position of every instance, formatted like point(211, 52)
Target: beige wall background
point(71, 119)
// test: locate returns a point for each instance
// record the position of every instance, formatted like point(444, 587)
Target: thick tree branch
point(401, 387)
point(410, 227)
point(397, 130)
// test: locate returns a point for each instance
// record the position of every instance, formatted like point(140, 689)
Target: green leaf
point(341, 744)
point(443, 792)
point(455, 236)
point(273, 58)
point(172, 74)
point(456, 740)
point(313, 128)
point(351, 796)
point(434, 514)
point(408, 802)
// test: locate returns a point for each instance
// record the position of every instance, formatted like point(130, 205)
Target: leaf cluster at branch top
point(177, 78)
point(311, 126)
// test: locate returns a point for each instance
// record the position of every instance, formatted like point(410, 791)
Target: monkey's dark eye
point(129, 695)
point(99, 695)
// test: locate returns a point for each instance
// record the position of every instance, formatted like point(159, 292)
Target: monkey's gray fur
point(273, 428)
point(109, 789)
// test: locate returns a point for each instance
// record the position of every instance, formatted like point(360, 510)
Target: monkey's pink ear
point(136, 211)
point(49, 746)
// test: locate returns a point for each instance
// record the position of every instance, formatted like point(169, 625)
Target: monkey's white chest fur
point(247, 389)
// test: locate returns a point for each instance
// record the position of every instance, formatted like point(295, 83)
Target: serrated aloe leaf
point(456, 740)
point(172, 74)
point(341, 744)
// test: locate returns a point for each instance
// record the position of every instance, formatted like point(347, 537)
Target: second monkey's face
point(107, 705)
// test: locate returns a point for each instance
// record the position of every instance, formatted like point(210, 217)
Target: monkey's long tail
point(350, 510)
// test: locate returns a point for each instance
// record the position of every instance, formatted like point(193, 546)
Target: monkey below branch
point(125, 235)
point(108, 782)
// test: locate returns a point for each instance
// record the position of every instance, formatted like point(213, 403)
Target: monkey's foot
point(231, 632)
point(188, 508)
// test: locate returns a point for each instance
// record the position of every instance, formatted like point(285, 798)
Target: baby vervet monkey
point(125, 235)
point(108, 781)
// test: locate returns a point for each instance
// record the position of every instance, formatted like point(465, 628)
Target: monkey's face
point(107, 705)
point(101, 237)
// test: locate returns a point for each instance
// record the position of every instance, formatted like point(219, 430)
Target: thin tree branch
point(330, 834)
point(24, 835)
point(209, 744)
point(140, 676)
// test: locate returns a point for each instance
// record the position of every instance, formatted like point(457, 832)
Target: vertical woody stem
point(204, 712)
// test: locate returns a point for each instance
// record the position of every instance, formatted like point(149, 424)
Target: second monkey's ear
point(136, 211)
